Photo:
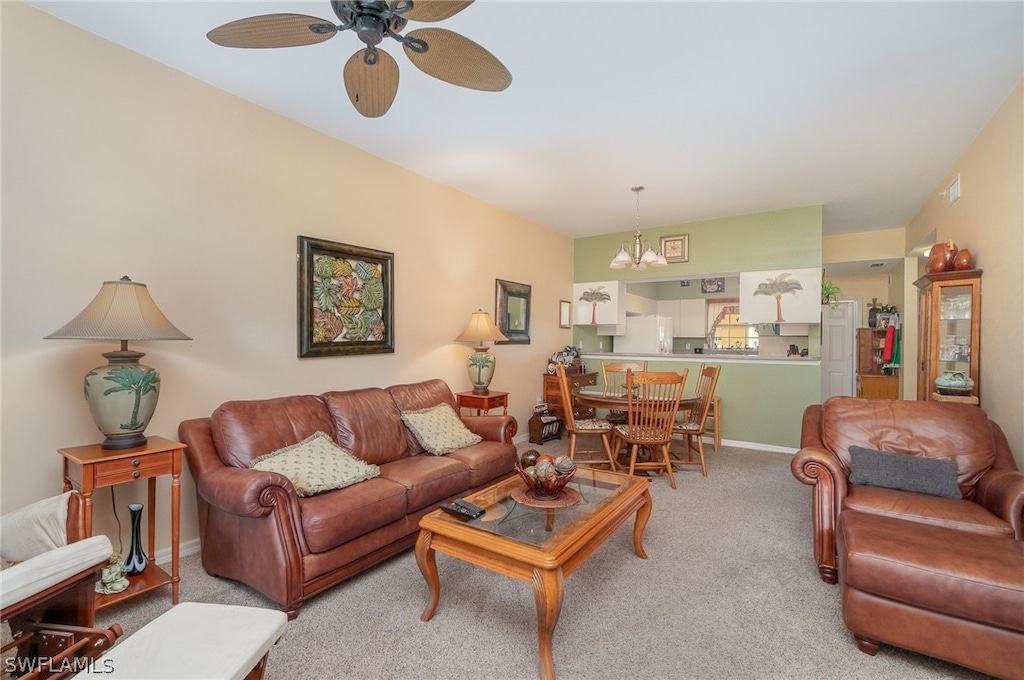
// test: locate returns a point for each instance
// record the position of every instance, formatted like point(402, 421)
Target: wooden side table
point(483, 402)
point(87, 468)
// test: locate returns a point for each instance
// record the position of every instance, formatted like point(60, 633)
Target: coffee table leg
point(642, 515)
point(548, 590)
point(427, 563)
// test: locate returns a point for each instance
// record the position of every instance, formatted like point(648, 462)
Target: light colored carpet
point(730, 590)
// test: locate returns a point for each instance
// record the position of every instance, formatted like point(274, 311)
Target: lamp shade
point(122, 395)
point(122, 310)
point(480, 328)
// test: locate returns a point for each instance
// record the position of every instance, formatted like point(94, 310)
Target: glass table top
point(537, 526)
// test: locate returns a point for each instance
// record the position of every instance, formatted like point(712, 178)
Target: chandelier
point(641, 254)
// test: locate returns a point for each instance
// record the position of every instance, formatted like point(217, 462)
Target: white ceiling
point(717, 108)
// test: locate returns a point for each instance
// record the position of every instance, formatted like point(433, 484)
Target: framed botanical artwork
point(786, 296)
point(564, 314)
point(346, 299)
point(676, 248)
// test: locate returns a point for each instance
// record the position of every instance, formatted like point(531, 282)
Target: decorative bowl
point(954, 383)
point(544, 486)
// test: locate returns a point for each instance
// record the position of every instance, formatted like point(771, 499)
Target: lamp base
point(481, 369)
point(124, 441)
point(122, 397)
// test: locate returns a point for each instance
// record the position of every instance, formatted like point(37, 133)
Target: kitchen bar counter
point(709, 357)
point(763, 397)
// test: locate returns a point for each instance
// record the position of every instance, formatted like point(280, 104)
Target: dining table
point(616, 401)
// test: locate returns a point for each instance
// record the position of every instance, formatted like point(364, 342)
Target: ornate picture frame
point(564, 314)
point(346, 299)
point(676, 248)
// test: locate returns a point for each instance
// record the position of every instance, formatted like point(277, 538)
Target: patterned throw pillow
point(439, 429)
point(316, 464)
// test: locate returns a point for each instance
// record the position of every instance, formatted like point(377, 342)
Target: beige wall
point(988, 219)
point(114, 164)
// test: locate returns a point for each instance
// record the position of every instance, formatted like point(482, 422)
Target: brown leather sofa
point(255, 529)
point(937, 575)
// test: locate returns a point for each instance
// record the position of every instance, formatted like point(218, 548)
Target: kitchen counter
point(728, 356)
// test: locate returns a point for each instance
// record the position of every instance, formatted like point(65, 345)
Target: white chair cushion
point(194, 641)
point(34, 529)
point(593, 424)
point(686, 427)
point(51, 567)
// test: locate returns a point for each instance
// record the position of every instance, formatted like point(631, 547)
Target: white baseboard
point(163, 555)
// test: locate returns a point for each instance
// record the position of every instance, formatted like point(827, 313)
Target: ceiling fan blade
point(458, 60)
point(273, 30)
point(435, 10)
point(371, 87)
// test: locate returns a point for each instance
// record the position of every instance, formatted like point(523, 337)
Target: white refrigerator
point(650, 334)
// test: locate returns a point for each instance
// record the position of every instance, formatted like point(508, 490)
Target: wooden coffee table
point(535, 544)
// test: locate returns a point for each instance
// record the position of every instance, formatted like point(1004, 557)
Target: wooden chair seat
point(653, 400)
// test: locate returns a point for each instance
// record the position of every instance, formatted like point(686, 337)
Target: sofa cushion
point(439, 430)
point(935, 476)
point(427, 479)
point(421, 395)
point(927, 429)
point(244, 430)
point(330, 519)
point(368, 424)
point(970, 576)
point(316, 464)
point(487, 461)
point(917, 507)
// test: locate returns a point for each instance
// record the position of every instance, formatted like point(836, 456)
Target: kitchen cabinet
point(949, 330)
point(638, 305)
point(599, 303)
point(689, 317)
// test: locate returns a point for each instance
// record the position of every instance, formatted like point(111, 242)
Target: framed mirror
point(512, 311)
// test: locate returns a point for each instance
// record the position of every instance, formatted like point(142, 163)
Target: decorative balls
point(528, 458)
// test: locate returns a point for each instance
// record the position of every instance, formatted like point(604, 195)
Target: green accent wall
point(761, 402)
point(769, 240)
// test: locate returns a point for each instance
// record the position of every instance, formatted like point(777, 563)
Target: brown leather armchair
point(991, 485)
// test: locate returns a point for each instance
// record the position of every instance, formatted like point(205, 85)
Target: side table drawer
point(122, 470)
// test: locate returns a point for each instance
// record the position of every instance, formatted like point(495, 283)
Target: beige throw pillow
point(439, 429)
point(316, 464)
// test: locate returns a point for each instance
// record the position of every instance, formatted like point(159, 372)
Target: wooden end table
point(483, 402)
point(539, 545)
point(87, 468)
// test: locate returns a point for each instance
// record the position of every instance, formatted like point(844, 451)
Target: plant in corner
point(829, 293)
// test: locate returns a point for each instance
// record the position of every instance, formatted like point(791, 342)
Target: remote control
point(460, 511)
point(469, 506)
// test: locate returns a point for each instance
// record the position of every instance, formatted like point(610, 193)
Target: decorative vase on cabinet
point(949, 305)
point(135, 562)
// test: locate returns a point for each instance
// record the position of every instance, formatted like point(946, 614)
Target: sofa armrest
point(820, 469)
point(1001, 492)
point(245, 493)
point(492, 428)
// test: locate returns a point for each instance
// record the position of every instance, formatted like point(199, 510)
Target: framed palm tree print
point(345, 299)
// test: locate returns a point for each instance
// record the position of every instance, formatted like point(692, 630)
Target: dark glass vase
point(135, 562)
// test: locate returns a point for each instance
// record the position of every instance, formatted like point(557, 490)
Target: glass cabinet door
point(950, 330)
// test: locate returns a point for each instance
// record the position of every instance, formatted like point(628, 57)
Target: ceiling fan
point(371, 74)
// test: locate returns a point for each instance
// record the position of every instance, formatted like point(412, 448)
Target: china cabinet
point(949, 307)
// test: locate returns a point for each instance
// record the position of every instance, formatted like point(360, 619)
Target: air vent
point(877, 264)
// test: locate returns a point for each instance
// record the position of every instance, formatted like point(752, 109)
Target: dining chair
point(583, 426)
point(695, 425)
point(653, 399)
point(613, 378)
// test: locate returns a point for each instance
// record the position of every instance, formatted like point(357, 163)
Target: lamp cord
point(113, 506)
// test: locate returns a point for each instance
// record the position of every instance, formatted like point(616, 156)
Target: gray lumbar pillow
point(906, 472)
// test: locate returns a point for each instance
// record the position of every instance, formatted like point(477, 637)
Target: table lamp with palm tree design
point(481, 363)
point(122, 395)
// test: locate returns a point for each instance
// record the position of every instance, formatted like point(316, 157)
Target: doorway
point(838, 336)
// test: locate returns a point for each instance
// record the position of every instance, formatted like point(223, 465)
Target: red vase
point(963, 260)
